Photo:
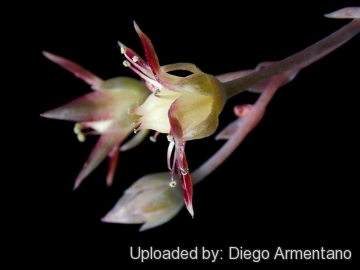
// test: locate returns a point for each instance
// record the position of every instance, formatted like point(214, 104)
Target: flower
point(185, 108)
point(104, 112)
point(150, 200)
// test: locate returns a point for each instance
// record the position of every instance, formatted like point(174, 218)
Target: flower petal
point(135, 140)
point(184, 175)
point(194, 113)
point(154, 111)
point(105, 144)
point(163, 78)
point(161, 218)
point(76, 69)
point(94, 106)
point(345, 13)
point(126, 84)
point(136, 60)
point(113, 159)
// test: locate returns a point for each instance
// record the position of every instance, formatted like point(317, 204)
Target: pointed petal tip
point(48, 114)
point(105, 219)
point(190, 209)
point(108, 182)
point(54, 114)
point(135, 25)
point(110, 217)
point(78, 181)
point(75, 187)
point(120, 44)
point(137, 29)
point(50, 56)
point(344, 13)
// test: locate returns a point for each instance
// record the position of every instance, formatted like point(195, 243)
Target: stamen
point(169, 153)
point(143, 76)
point(135, 58)
point(77, 128)
point(126, 63)
point(81, 137)
point(122, 49)
point(184, 171)
point(135, 130)
point(138, 62)
point(170, 138)
point(172, 183)
point(91, 133)
point(153, 138)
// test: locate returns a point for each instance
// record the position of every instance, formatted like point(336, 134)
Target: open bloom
point(185, 108)
point(103, 112)
point(150, 200)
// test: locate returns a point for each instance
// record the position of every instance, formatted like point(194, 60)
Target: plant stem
point(248, 123)
point(334, 40)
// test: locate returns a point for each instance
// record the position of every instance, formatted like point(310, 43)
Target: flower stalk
point(322, 47)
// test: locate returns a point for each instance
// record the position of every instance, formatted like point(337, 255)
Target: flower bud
point(150, 200)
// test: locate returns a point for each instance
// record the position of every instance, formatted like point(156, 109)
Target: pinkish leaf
point(76, 69)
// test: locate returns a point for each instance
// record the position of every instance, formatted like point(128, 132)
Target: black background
point(291, 183)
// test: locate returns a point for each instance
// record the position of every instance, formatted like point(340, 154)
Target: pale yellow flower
point(185, 108)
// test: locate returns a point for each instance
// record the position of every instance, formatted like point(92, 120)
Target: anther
point(184, 171)
point(81, 137)
point(77, 128)
point(170, 138)
point(122, 50)
point(126, 63)
point(172, 183)
point(135, 58)
point(152, 138)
